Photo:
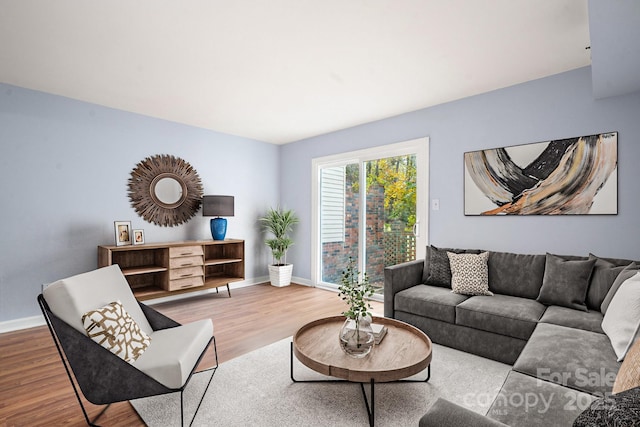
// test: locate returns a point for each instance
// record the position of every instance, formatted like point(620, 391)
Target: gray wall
point(614, 30)
point(64, 167)
point(559, 106)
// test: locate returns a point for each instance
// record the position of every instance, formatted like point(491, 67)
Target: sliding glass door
point(369, 207)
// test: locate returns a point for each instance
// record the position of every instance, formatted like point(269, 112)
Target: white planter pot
point(280, 275)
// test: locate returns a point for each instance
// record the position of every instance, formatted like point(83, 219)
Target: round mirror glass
point(168, 190)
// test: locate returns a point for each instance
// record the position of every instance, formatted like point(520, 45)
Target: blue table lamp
point(217, 206)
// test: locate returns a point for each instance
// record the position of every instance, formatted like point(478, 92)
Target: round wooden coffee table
point(403, 352)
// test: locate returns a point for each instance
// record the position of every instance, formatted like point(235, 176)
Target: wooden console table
point(160, 269)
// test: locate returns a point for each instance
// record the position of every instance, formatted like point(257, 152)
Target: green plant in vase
point(356, 335)
point(279, 222)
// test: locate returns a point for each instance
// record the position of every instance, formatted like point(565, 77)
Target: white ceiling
point(284, 70)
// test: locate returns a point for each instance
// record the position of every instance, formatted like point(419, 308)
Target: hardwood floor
point(35, 390)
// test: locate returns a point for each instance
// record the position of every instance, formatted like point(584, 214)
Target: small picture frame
point(123, 232)
point(138, 237)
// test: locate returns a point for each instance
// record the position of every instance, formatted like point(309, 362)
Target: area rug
point(256, 390)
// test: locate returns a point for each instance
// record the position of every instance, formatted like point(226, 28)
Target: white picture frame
point(122, 231)
point(138, 237)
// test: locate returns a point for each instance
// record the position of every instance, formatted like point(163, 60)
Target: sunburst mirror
point(165, 190)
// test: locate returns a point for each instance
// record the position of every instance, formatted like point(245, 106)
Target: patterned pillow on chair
point(114, 329)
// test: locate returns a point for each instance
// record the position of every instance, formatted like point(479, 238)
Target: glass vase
point(356, 337)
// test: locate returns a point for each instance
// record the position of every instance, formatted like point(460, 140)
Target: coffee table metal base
point(369, 402)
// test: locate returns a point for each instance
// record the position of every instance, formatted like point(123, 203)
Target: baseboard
point(260, 280)
point(301, 281)
point(294, 279)
point(23, 323)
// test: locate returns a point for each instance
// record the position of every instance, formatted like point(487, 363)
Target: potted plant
point(279, 223)
point(356, 335)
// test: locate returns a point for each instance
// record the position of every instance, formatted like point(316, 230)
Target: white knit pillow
point(469, 273)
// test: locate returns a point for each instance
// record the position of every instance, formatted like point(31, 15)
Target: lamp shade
point(217, 206)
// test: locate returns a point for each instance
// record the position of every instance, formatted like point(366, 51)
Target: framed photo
point(138, 237)
point(123, 232)
point(574, 176)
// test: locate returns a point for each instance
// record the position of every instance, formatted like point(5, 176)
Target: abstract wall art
point(574, 176)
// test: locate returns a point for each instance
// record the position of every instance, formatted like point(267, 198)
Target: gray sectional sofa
point(544, 318)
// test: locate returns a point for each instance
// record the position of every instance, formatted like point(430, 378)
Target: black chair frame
point(103, 377)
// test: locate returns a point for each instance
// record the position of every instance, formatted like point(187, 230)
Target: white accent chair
point(167, 364)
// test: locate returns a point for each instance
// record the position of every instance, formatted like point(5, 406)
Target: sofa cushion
point(482, 343)
point(469, 273)
point(71, 298)
point(629, 271)
point(517, 275)
point(604, 274)
point(619, 410)
point(501, 314)
point(429, 301)
point(563, 316)
point(565, 282)
point(621, 323)
point(445, 413)
point(437, 271)
point(526, 401)
point(582, 360)
point(174, 352)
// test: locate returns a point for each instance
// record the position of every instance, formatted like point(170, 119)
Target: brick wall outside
point(383, 248)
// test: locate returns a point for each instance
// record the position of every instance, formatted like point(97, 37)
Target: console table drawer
point(182, 251)
point(189, 282)
point(181, 273)
point(187, 261)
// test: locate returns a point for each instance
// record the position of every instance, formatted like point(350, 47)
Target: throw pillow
point(618, 410)
point(604, 274)
point(517, 275)
point(629, 374)
point(565, 282)
point(114, 329)
point(469, 273)
point(628, 272)
point(622, 320)
point(437, 271)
